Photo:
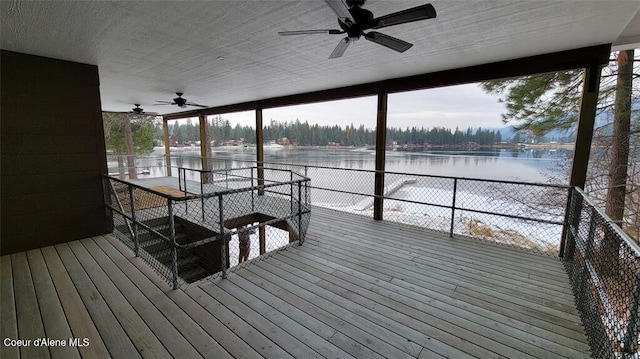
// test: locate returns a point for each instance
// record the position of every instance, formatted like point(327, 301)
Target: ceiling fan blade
point(144, 114)
point(341, 48)
point(195, 104)
point(309, 32)
point(388, 41)
point(340, 9)
point(163, 103)
point(421, 12)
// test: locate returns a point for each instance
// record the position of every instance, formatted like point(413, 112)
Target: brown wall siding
point(52, 151)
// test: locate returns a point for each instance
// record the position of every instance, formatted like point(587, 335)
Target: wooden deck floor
point(356, 288)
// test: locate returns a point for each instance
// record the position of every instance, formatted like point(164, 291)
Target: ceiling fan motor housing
point(362, 18)
point(181, 102)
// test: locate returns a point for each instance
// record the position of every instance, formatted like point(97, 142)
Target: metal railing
point(603, 264)
point(524, 215)
point(528, 216)
point(191, 230)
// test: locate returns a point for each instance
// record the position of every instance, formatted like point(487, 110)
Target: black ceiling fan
point(180, 102)
point(354, 21)
point(139, 111)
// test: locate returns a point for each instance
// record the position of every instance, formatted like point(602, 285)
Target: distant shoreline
point(404, 148)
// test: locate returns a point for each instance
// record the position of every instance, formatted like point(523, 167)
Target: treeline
point(441, 136)
point(219, 131)
point(304, 134)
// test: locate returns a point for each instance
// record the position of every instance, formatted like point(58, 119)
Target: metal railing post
point(565, 226)
point(453, 205)
point(226, 177)
point(590, 236)
point(108, 192)
point(174, 247)
point(291, 190)
point(201, 194)
point(630, 340)
point(120, 206)
point(300, 237)
point(253, 195)
point(307, 193)
point(223, 245)
point(575, 210)
point(132, 201)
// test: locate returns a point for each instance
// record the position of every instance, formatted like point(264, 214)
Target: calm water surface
point(526, 165)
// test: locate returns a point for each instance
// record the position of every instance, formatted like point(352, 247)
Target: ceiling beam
point(557, 61)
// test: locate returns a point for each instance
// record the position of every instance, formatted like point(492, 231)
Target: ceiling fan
point(180, 102)
point(354, 21)
point(139, 111)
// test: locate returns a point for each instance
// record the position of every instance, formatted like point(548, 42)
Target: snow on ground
point(512, 231)
point(275, 238)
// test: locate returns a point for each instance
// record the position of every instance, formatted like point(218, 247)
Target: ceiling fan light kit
point(354, 21)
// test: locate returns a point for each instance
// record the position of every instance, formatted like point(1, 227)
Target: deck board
point(163, 329)
point(356, 288)
point(30, 326)
point(507, 289)
point(444, 303)
point(131, 321)
point(187, 327)
point(257, 340)
point(8, 320)
point(365, 332)
point(394, 244)
point(232, 345)
point(260, 321)
point(78, 317)
point(111, 332)
point(405, 301)
point(388, 313)
point(53, 318)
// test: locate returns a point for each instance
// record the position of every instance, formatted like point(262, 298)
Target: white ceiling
point(147, 50)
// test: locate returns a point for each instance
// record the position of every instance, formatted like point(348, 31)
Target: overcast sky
point(462, 106)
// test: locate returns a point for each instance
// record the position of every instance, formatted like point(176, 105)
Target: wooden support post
point(591, 85)
point(260, 150)
point(128, 140)
point(262, 234)
point(204, 141)
point(167, 145)
point(381, 144)
point(590, 89)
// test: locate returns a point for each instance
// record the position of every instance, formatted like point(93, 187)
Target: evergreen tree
point(128, 135)
point(544, 102)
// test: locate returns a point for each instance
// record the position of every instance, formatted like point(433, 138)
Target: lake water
point(525, 165)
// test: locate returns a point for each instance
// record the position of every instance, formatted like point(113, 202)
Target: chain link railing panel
point(186, 233)
point(418, 200)
point(603, 264)
point(522, 215)
point(350, 190)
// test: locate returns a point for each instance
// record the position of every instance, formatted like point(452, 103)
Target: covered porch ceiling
point(223, 53)
point(227, 52)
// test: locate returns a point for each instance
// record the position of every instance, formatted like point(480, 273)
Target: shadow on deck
point(357, 288)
